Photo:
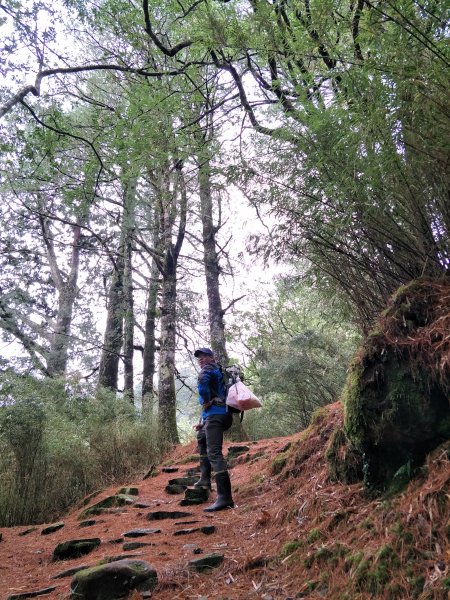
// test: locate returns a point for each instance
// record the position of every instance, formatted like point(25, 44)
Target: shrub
point(58, 444)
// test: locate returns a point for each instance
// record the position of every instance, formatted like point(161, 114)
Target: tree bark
point(174, 203)
point(148, 372)
point(212, 273)
point(117, 302)
point(57, 356)
point(128, 333)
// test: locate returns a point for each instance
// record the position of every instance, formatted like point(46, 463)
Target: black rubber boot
point(205, 474)
point(224, 499)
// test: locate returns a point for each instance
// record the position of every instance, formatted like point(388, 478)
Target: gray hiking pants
point(210, 440)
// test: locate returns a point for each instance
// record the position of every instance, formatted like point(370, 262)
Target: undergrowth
point(58, 444)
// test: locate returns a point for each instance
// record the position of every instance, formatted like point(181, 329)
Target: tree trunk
point(148, 371)
point(67, 290)
point(174, 204)
point(212, 272)
point(117, 302)
point(211, 263)
point(128, 333)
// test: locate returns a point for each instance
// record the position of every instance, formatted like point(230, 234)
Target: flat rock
point(134, 533)
point(24, 595)
point(113, 580)
point(167, 514)
point(75, 548)
point(186, 481)
point(199, 493)
point(236, 450)
point(207, 530)
point(107, 503)
point(136, 545)
point(70, 572)
point(27, 531)
point(52, 528)
point(175, 488)
point(169, 469)
point(206, 562)
point(87, 523)
point(128, 491)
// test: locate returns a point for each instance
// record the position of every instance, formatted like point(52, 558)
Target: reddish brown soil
point(300, 503)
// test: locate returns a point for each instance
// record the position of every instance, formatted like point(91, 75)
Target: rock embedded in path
point(236, 450)
point(175, 488)
point(167, 514)
point(70, 572)
point(186, 481)
point(207, 530)
point(27, 531)
point(87, 523)
point(193, 496)
point(128, 491)
point(52, 528)
point(34, 594)
point(134, 533)
point(206, 562)
point(75, 548)
point(113, 580)
point(105, 504)
point(169, 469)
point(136, 545)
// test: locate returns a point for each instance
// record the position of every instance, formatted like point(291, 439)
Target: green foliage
point(278, 463)
point(59, 444)
point(301, 351)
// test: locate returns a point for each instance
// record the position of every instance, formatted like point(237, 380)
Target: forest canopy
point(134, 135)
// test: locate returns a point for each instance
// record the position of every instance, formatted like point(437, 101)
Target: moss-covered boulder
point(113, 580)
point(75, 548)
point(396, 397)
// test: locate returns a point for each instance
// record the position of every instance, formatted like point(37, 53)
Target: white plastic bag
point(241, 398)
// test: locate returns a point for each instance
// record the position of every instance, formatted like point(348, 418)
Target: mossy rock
point(113, 580)
point(111, 501)
point(185, 481)
point(344, 460)
point(396, 395)
point(128, 491)
point(206, 562)
point(75, 548)
point(52, 528)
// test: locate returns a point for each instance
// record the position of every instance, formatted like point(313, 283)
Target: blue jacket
point(211, 385)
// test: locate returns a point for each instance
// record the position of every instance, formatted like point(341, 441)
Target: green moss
point(373, 574)
point(446, 584)
point(313, 535)
point(416, 585)
point(353, 560)
point(402, 533)
point(329, 556)
point(289, 548)
point(343, 458)
point(278, 464)
point(387, 556)
point(367, 524)
point(258, 478)
point(188, 459)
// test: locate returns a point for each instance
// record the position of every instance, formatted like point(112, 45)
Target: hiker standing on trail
point(216, 419)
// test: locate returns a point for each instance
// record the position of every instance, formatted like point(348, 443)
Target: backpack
point(239, 398)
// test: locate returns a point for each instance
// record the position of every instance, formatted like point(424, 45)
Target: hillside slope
point(293, 533)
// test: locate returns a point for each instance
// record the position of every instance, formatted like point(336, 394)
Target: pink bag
point(241, 398)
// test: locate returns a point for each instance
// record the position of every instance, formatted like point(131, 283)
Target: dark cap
point(206, 351)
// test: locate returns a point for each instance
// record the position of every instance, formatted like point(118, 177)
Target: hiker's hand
point(197, 427)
